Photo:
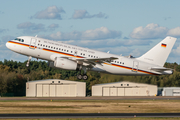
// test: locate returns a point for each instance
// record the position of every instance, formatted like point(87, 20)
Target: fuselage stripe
point(129, 68)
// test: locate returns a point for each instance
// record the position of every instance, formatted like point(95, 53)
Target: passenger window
point(67, 50)
point(22, 40)
point(59, 48)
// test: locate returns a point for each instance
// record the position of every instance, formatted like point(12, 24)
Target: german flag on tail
point(163, 45)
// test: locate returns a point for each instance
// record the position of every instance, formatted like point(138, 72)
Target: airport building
point(170, 91)
point(55, 88)
point(124, 89)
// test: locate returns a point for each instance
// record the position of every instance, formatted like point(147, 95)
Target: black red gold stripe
point(129, 68)
point(19, 43)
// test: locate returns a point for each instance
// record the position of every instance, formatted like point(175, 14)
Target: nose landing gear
point(29, 59)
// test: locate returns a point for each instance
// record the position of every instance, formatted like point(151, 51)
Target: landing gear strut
point(84, 77)
point(29, 59)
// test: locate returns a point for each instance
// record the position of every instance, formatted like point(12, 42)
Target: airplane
point(71, 57)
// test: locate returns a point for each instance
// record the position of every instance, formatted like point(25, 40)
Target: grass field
point(91, 106)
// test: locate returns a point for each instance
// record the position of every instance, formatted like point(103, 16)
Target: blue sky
point(119, 26)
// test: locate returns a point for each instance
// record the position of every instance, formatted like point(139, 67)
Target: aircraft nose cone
point(7, 45)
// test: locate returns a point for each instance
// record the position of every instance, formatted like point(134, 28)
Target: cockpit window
point(20, 40)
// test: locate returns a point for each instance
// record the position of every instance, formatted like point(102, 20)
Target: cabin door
point(135, 66)
point(32, 43)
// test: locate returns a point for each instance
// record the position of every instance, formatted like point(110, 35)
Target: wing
point(99, 60)
point(93, 61)
point(86, 61)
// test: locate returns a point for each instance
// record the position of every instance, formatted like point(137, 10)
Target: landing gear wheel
point(85, 77)
point(27, 65)
point(79, 76)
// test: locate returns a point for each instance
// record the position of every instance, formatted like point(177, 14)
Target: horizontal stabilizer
point(160, 68)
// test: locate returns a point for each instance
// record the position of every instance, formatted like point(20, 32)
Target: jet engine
point(64, 63)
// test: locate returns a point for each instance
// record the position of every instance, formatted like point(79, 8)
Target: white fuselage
point(46, 49)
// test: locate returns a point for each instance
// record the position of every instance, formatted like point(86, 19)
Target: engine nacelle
point(63, 63)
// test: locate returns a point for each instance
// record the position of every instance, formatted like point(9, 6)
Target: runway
point(94, 98)
point(89, 115)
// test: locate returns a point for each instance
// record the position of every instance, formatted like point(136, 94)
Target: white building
point(55, 88)
point(124, 89)
point(171, 91)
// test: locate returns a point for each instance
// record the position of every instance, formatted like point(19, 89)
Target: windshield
point(20, 40)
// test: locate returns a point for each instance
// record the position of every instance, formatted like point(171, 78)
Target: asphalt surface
point(94, 98)
point(89, 115)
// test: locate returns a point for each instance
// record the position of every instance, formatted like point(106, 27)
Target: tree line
point(14, 75)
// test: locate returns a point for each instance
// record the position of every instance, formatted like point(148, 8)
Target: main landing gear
point(84, 76)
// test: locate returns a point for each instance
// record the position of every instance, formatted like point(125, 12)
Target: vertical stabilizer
point(159, 53)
